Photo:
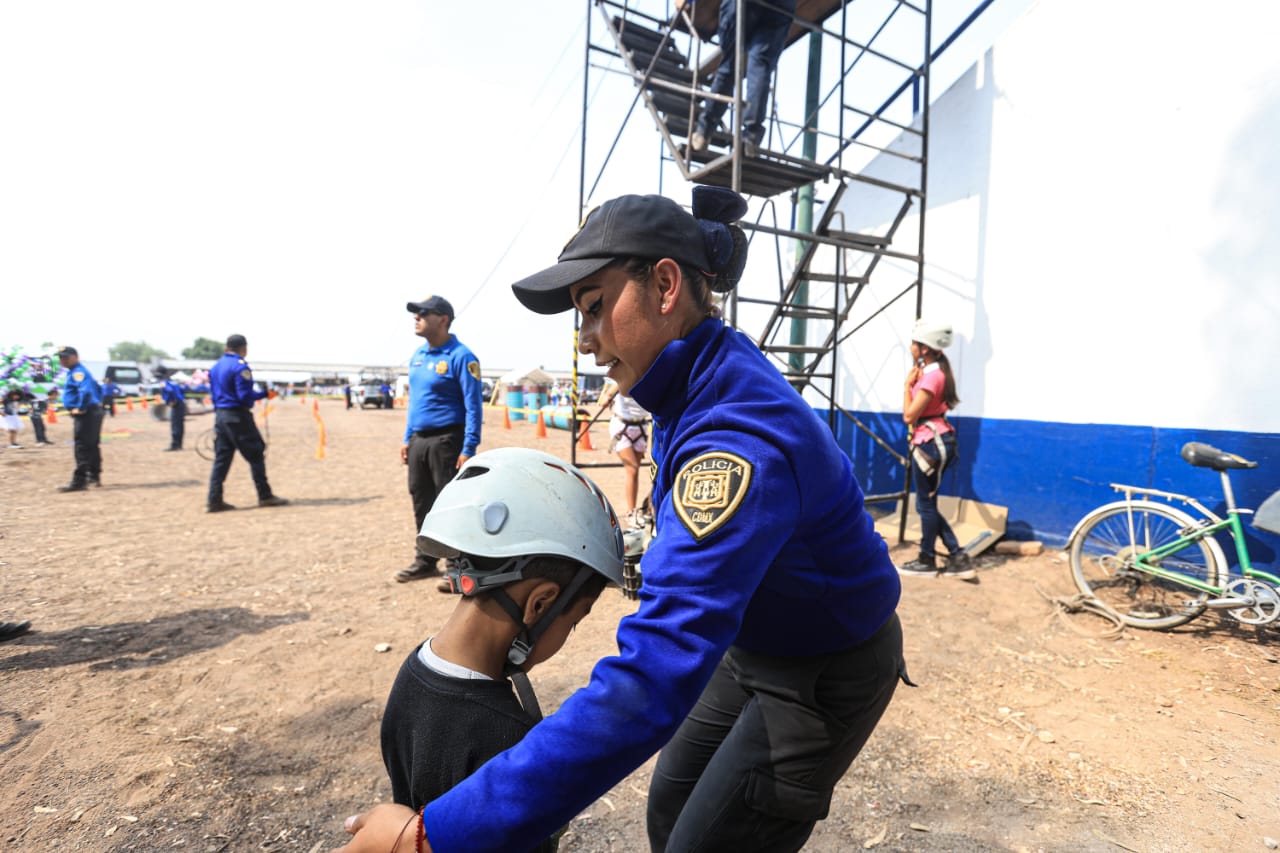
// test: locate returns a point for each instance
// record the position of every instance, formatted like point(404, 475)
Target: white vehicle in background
point(133, 377)
point(370, 393)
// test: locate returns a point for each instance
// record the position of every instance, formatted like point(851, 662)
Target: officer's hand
point(386, 827)
point(404, 454)
point(462, 460)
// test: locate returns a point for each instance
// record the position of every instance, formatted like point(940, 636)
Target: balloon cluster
point(31, 374)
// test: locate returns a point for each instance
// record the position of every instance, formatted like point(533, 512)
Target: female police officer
point(766, 645)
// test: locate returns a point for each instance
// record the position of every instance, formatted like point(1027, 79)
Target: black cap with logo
point(648, 227)
point(432, 305)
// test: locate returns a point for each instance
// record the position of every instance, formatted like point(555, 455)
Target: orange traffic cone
point(542, 426)
point(584, 441)
point(53, 415)
point(128, 401)
point(144, 402)
point(506, 418)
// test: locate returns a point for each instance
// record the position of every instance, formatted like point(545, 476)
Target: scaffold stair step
point(832, 277)
point(853, 237)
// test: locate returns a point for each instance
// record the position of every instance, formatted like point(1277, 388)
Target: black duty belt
point(434, 431)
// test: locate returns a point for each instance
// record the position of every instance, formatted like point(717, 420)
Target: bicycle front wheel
point(204, 445)
point(1102, 561)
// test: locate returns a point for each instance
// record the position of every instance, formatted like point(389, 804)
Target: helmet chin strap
point(527, 636)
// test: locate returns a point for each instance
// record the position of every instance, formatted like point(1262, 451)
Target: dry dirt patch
point(210, 683)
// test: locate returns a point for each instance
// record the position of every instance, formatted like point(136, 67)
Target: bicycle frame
point(1214, 525)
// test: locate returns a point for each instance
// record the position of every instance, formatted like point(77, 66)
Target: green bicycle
point(1156, 565)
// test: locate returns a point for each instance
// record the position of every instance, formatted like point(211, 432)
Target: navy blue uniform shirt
point(172, 392)
point(231, 383)
point(81, 390)
point(445, 389)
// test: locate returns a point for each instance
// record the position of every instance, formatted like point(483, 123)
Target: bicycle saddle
point(1207, 456)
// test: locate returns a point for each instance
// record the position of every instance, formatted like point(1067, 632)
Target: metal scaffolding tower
point(862, 140)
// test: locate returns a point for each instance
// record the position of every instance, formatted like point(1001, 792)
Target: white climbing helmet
point(935, 335)
point(510, 503)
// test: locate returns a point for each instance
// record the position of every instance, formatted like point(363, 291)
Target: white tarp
point(291, 377)
point(530, 376)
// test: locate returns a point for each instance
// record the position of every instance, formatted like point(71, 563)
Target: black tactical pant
point(87, 434)
point(234, 430)
point(177, 422)
point(433, 460)
point(754, 764)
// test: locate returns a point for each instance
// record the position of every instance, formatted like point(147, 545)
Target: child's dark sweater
point(437, 729)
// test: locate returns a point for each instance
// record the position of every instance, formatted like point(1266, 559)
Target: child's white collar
point(433, 661)
point(931, 367)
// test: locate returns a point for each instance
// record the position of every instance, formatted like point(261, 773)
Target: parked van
point(132, 377)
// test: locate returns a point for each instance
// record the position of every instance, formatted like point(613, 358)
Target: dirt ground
point(211, 682)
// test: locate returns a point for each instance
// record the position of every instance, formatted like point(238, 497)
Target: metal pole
point(582, 182)
point(924, 206)
point(739, 93)
point(582, 142)
point(804, 201)
point(924, 153)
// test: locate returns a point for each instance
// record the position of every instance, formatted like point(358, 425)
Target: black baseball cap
point(638, 226)
point(432, 305)
point(630, 226)
point(67, 351)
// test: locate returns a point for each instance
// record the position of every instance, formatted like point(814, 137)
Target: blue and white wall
point(1103, 231)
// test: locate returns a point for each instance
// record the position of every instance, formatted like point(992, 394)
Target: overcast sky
point(294, 171)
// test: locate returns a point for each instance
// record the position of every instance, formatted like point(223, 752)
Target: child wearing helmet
point(929, 393)
point(532, 542)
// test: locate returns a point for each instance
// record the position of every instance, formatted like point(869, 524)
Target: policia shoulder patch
point(709, 489)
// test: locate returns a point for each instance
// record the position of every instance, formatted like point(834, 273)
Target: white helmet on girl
point(933, 335)
point(511, 504)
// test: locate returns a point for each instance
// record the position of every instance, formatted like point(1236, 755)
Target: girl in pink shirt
point(929, 393)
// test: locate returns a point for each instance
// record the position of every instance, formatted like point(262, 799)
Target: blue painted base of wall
point(1050, 474)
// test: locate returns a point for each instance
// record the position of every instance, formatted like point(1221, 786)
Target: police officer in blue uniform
point(445, 414)
point(82, 398)
point(232, 390)
point(175, 397)
point(110, 391)
point(766, 645)
point(765, 29)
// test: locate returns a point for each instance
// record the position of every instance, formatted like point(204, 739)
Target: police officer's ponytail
point(718, 211)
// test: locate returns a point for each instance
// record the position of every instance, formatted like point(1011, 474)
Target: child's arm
point(386, 827)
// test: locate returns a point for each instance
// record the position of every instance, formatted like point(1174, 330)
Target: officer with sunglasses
point(442, 427)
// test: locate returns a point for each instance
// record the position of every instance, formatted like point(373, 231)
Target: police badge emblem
point(473, 367)
point(442, 367)
point(709, 489)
